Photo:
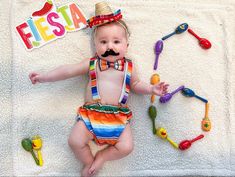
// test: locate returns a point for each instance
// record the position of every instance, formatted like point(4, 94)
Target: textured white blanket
point(50, 109)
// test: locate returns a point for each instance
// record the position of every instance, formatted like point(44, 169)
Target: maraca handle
point(35, 158)
point(197, 138)
point(172, 143)
point(156, 62)
point(177, 90)
point(169, 35)
point(191, 32)
point(200, 98)
point(154, 126)
point(152, 98)
point(206, 110)
point(40, 158)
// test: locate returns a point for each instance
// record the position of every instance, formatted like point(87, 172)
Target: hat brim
point(102, 19)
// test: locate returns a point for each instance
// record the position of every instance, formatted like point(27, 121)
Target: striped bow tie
point(118, 64)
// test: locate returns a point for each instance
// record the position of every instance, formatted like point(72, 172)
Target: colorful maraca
point(162, 133)
point(27, 145)
point(165, 98)
point(206, 123)
point(153, 115)
point(180, 29)
point(158, 49)
point(37, 145)
point(204, 43)
point(190, 93)
point(187, 143)
point(155, 79)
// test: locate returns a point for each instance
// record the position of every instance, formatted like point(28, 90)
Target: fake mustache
point(109, 52)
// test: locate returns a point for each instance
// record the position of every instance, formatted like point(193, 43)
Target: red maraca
point(187, 143)
point(204, 43)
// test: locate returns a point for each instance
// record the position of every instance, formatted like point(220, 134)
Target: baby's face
point(111, 36)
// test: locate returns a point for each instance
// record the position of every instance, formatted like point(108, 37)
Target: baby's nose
point(110, 45)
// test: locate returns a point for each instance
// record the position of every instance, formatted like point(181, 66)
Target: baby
point(105, 116)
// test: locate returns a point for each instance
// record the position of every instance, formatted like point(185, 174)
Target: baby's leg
point(122, 148)
point(78, 141)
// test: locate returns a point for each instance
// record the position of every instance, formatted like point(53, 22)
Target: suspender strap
point(93, 78)
point(126, 82)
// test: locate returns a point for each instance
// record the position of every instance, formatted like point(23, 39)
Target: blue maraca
point(165, 98)
point(190, 93)
point(180, 29)
point(158, 49)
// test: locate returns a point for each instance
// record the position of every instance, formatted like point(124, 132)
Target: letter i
point(33, 29)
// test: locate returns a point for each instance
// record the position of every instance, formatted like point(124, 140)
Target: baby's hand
point(35, 77)
point(160, 89)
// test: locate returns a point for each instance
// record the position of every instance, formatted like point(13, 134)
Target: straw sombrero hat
point(103, 14)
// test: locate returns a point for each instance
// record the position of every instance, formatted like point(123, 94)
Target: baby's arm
point(61, 73)
point(141, 87)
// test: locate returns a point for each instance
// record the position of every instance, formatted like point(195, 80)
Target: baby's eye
point(116, 41)
point(103, 42)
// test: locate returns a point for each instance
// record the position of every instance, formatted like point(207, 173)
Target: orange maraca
point(206, 123)
point(155, 79)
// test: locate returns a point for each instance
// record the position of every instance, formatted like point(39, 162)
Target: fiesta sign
point(50, 23)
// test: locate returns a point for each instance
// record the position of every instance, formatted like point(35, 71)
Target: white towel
point(50, 109)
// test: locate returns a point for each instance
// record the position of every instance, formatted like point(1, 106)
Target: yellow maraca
point(162, 133)
point(37, 145)
point(154, 80)
point(206, 123)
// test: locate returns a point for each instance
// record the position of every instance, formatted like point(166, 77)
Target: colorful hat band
point(102, 19)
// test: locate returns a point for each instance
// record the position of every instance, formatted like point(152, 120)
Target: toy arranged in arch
point(162, 133)
point(187, 92)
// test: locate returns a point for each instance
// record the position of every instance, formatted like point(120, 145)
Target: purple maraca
point(158, 49)
point(165, 98)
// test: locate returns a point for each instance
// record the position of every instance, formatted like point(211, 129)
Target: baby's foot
point(85, 171)
point(97, 164)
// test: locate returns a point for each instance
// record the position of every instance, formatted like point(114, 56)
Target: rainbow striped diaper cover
point(105, 122)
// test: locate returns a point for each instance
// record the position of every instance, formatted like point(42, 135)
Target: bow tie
point(118, 64)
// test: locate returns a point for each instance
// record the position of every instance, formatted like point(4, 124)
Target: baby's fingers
point(165, 86)
point(33, 77)
point(33, 80)
point(32, 74)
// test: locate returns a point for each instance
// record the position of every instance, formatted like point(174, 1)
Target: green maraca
point(153, 115)
point(27, 145)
